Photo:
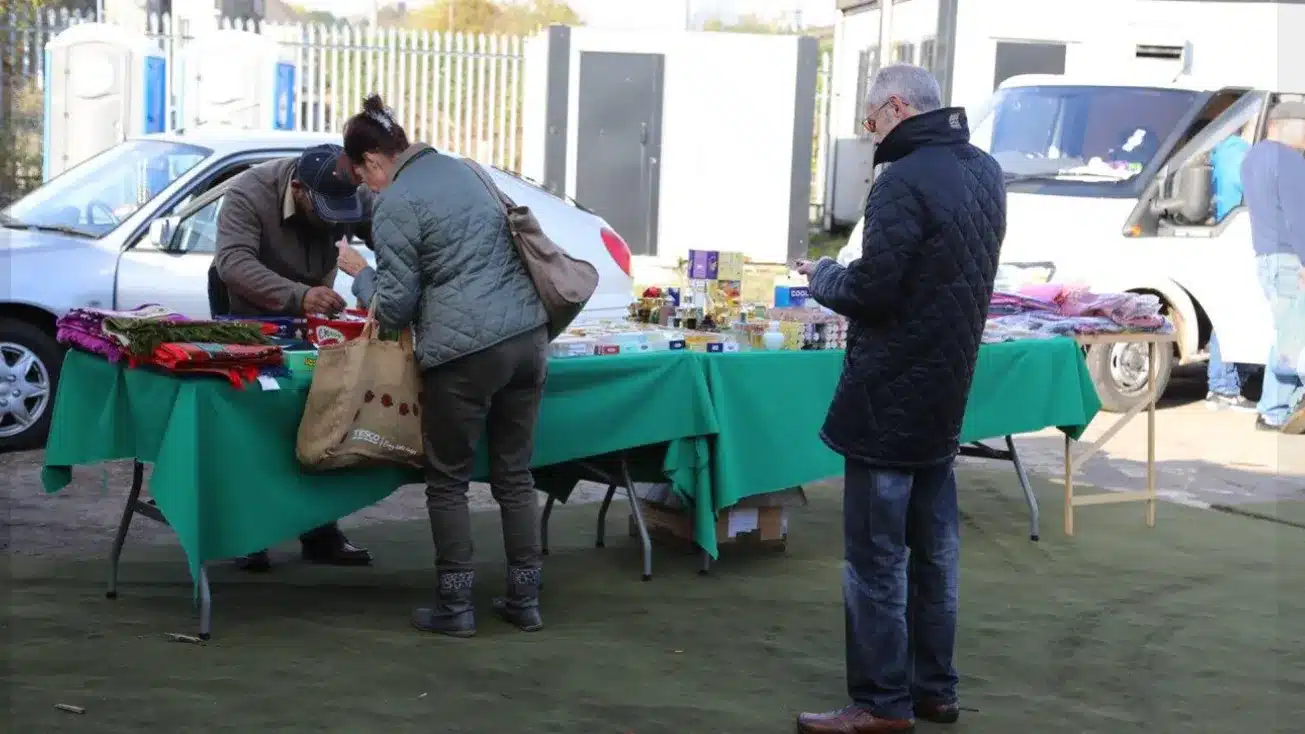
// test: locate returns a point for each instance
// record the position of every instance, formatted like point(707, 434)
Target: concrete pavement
point(1203, 457)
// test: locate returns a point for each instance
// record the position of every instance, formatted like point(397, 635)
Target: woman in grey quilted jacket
point(446, 265)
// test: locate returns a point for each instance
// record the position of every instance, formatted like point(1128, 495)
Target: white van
point(1109, 186)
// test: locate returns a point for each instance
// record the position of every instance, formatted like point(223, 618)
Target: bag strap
point(503, 201)
point(372, 329)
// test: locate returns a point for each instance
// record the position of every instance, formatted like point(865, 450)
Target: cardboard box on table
point(758, 520)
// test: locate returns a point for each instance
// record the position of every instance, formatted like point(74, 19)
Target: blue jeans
point(1283, 386)
point(1223, 378)
point(900, 607)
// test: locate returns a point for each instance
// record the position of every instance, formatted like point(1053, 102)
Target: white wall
point(727, 137)
point(534, 105)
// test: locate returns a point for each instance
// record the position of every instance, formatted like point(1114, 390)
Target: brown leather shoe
point(850, 720)
point(938, 712)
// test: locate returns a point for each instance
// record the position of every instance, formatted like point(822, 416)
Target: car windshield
point(1079, 132)
point(93, 198)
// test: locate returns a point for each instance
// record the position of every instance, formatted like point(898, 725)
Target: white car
point(136, 224)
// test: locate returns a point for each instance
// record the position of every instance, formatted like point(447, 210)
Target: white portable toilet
point(104, 84)
point(238, 78)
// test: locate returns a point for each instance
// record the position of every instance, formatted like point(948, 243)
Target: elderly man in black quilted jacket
point(917, 300)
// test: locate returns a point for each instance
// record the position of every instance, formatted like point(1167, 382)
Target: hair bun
point(374, 103)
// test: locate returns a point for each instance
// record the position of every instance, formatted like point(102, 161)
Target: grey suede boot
point(520, 607)
point(454, 613)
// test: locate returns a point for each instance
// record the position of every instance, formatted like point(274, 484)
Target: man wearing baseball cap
point(276, 256)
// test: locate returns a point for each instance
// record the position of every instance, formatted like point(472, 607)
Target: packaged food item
point(729, 266)
point(324, 332)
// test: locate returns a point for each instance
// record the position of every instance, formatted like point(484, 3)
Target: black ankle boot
point(454, 613)
point(521, 605)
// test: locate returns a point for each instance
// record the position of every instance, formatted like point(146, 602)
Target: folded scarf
point(83, 328)
point(141, 338)
point(238, 363)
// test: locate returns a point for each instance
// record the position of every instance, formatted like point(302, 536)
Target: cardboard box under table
point(756, 521)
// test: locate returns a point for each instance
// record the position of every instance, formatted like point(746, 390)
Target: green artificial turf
point(1194, 626)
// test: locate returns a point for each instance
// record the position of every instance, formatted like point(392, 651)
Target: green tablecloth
point(770, 407)
point(734, 426)
point(225, 474)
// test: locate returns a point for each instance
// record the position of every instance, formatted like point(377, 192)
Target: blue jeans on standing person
point(1223, 378)
point(1283, 386)
point(900, 606)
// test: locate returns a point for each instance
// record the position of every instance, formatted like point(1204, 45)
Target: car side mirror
point(161, 231)
point(1190, 195)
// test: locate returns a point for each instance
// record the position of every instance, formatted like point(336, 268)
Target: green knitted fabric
point(143, 337)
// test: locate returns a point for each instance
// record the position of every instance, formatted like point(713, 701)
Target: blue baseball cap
point(335, 197)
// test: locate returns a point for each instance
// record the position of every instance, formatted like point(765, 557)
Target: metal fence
point(456, 91)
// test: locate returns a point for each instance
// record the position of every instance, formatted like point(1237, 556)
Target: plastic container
point(773, 339)
point(327, 332)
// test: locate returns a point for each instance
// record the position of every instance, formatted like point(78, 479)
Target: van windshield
point(1079, 133)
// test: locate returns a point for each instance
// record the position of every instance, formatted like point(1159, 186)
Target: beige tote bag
point(363, 407)
point(565, 283)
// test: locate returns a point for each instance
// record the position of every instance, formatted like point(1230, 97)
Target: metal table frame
point(619, 477)
point(979, 450)
point(615, 477)
point(613, 470)
point(146, 508)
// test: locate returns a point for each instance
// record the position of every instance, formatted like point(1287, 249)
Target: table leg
point(543, 525)
point(601, 534)
point(637, 511)
point(1152, 396)
point(120, 538)
point(205, 605)
point(1069, 487)
point(1035, 520)
point(980, 450)
point(706, 564)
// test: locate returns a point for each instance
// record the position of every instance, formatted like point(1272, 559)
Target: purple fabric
point(83, 328)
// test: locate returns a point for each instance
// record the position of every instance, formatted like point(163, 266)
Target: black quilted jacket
point(918, 297)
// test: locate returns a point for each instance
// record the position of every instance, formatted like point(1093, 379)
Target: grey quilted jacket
point(445, 261)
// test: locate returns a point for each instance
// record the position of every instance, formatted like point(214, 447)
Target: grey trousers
point(494, 393)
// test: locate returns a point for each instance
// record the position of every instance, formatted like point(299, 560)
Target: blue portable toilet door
point(284, 99)
point(156, 95)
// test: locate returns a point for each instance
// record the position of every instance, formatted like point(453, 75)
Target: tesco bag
point(363, 406)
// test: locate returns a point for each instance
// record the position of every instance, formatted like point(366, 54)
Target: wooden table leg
point(1069, 487)
point(1152, 396)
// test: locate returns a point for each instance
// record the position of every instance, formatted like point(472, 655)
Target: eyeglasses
point(869, 122)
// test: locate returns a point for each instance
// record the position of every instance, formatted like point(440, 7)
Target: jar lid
point(774, 325)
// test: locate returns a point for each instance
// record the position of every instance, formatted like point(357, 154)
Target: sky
point(640, 13)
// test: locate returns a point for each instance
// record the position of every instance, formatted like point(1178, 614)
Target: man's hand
point(349, 260)
point(323, 300)
point(804, 267)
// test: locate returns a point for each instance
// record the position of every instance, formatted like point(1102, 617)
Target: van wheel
point(30, 360)
point(1119, 373)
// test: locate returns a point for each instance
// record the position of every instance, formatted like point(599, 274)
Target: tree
point(487, 16)
point(466, 16)
point(745, 24)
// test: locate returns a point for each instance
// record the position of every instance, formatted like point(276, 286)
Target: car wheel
point(1120, 371)
point(29, 374)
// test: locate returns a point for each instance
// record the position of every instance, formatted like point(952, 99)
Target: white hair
point(913, 85)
